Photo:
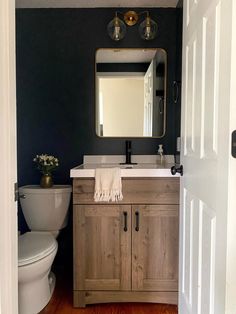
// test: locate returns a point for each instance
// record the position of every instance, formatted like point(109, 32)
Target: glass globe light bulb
point(116, 29)
point(148, 29)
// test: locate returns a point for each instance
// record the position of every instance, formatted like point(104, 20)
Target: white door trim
point(8, 173)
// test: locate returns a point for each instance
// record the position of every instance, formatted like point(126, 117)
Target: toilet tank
point(45, 209)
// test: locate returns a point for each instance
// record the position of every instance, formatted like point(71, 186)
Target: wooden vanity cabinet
point(126, 251)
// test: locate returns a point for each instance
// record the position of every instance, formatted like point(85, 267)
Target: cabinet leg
point(79, 299)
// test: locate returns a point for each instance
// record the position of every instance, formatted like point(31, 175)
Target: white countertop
point(147, 166)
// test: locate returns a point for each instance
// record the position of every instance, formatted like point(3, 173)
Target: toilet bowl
point(36, 252)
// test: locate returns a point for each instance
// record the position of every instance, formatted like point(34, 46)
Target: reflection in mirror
point(130, 92)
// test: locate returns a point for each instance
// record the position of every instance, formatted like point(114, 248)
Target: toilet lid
point(33, 246)
point(36, 189)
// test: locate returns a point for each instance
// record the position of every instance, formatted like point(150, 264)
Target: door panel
point(198, 255)
point(102, 247)
point(210, 82)
point(189, 147)
point(155, 248)
point(207, 265)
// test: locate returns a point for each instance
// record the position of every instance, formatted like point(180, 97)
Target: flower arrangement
point(46, 163)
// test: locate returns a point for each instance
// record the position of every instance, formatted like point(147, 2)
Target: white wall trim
point(8, 210)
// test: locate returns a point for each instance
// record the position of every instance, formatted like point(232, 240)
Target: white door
point(205, 153)
point(8, 210)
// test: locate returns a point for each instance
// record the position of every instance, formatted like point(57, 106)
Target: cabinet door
point(155, 248)
point(102, 246)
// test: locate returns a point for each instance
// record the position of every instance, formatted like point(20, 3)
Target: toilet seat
point(33, 246)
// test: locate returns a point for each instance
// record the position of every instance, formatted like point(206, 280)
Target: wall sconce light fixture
point(117, 28)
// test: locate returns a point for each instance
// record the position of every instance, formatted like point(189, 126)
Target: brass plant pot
point(46, 181)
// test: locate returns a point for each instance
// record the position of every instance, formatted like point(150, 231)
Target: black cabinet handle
point(125, 221)
point(176, 87)
point(137, 221)
point(161, 105)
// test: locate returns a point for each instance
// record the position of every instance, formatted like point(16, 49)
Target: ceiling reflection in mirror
point(131, 92)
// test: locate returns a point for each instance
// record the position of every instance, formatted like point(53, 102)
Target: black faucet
point(128, 152)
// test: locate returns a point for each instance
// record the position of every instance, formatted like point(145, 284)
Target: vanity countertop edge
point(125, 173)
point(146, 167)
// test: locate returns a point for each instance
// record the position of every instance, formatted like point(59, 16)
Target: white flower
point(46, 163)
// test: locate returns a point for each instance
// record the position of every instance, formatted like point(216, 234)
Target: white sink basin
point(124, 166)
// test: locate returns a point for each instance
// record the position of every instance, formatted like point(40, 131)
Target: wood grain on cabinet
point(135, 191)
point(102, 259)
point(155, 248)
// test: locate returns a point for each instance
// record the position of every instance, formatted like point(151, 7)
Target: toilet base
point(52, 282)
point(37, 297)
point(36, 285)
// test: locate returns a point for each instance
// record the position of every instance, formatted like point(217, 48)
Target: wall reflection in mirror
point(131, 92)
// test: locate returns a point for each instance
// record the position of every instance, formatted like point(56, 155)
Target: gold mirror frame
point(165, 93)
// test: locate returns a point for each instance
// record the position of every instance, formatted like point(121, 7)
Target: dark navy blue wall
point(56, 81)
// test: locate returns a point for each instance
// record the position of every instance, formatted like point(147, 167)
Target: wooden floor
point(61, 303)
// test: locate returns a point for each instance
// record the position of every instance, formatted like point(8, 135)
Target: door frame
point(8, 167)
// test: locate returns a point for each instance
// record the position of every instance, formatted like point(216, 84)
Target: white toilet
point(45, 211)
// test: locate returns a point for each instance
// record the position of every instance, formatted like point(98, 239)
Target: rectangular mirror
point(131, 92)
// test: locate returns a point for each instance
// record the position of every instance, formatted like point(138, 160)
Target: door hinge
point(16, 192)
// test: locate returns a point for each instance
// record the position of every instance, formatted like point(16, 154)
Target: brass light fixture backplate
point(131, 18)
